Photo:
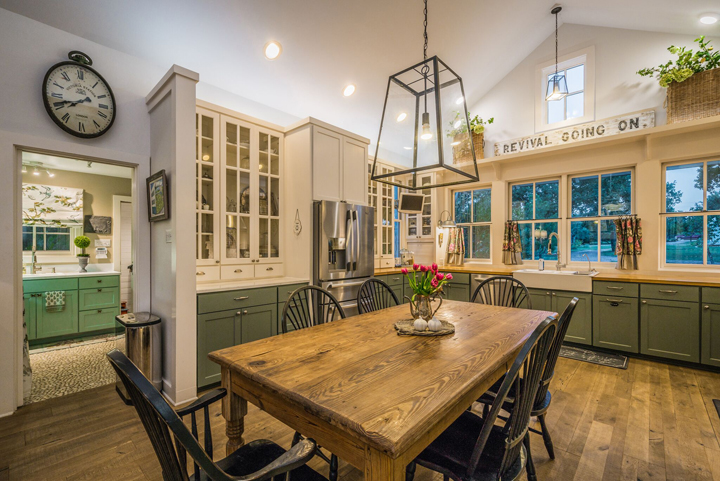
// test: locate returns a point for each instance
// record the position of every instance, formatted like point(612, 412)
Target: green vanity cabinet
point(670, 329)
point(99, 298)
point(616, 323)
point(580, 329)
point(97, 319)
point(58, 323)
point(30, 315)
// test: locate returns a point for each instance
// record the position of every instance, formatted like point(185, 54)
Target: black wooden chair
point(543, 398)
point(474, 448)
point(309, 306)
point(255, 461)
point(503, 291)
point(374, 295)
point(306, 307)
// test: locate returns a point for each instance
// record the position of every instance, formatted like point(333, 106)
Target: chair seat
point(256, 455)
point(489, 397)
point(450, 453)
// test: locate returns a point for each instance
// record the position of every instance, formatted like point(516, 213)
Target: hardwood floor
point(650, 422)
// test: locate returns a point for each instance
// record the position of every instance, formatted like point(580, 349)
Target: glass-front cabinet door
point(268, 196)
point(207, 189)
point(420, 226)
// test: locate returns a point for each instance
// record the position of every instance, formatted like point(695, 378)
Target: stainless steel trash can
point(143, 347)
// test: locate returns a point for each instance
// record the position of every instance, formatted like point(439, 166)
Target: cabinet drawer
point(100, 298)
point(269, 270)
point(614, 289)
point(221, 301)
point(98, 319)
point(670, 292)
point(285, 291)
point(207, 273)
point(711, 295)
point(670, 329)
point(459, 278)
point(44, 285)
point(98, 281)
point(394, 280)
point(616, 323)
point(236, 272)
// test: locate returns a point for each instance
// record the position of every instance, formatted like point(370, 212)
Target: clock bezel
point(61, 124)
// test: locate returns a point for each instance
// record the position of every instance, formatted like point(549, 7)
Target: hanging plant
point(687, 64)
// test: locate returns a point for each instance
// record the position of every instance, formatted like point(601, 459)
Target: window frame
point(559, 219)
point(57, 257)
point(471, 224)
point(584, 57)
point(704, 213)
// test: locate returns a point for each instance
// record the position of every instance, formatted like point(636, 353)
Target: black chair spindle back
point(309, 306)
point(374, 295)
point(503, 291)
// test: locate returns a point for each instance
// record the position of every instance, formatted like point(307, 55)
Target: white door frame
point(117, 215)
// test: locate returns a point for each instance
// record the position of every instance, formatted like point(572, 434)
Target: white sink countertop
point(567, 280)
point(55, 275)
point(220, 286)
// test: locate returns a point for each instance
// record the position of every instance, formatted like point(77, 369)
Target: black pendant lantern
point(425, 126)
point(557, 84)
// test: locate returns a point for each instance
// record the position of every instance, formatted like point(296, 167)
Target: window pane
point(522, 202)
point(684, 240)
point(616, 193)
point(27, 238)
point(584, 196)
point(583, 240)
point(556, 111)
point(575, 105)
point(684, 188)
point(541, 246)
point(39, 239)
point(65, 230)
point(547, 200)
point(526, 238)
point(481, 242)
point(481, 205)
point(608, 240)
point(462, 207)
point(713, 254)
point(466, 235)
point(57, 242)
point(396, 239)
point(575, 78)
point(713, 185)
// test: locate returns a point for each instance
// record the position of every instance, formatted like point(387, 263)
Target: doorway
point(77, 246)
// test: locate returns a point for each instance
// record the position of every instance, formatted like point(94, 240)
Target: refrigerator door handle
point(356, 239)
point(350, 242)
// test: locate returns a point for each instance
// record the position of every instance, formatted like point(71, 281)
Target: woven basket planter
point(462, 154)
point(696, 98)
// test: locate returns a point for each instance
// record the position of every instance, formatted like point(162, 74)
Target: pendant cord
point(425, 69)
point(556, 43)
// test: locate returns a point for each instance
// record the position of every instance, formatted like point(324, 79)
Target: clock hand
point(86, 99)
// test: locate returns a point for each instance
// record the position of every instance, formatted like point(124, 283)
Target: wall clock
point(77, 98)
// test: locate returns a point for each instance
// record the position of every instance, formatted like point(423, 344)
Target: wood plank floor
point(650, 422)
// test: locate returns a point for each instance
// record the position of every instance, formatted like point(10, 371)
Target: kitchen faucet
point(559, 265)
point(590, 267)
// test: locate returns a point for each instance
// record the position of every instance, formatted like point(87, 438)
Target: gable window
point(471, 210)
point(573, 105)
point(692, 206)
point(595, 201)
point(536, 208)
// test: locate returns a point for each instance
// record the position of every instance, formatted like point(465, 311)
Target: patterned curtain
point(629, 242)
point(52, 206)
point(512, 246)
point(455, 255)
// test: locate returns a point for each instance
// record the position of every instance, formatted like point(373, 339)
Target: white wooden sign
point(578, 133)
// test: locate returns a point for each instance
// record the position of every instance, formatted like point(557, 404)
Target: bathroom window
point(595, 202)
point(47, 239)
point(536, 208)
point(471, 209)
point(692, 220)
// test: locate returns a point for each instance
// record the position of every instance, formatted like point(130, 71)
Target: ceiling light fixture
point(50, 173)
point(36, 171)
point(557, 84)
point(709, 18)
point(401, 117)
point(349, 90)
point(437, 97)
point(206, 157)
point(272, 50)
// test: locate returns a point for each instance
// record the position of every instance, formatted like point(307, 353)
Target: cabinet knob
point(99, 290)
point(99, 281)
point(217, 262)
point(644, 302)
point(706, 307)
point(547, 293)
point(554, 294)
point(99, 311)
point(245, 311)
point(238, 271)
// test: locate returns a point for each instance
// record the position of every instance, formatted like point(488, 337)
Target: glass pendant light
point(557, 84)
point(425, 107)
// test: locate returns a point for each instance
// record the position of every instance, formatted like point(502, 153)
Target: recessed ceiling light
point(709, 18)
point(349, 90)
point(272, 50)
point(401, 117)
point(460, 100)
point(50, 173)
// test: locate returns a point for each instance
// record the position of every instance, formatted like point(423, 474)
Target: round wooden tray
point(405, 328)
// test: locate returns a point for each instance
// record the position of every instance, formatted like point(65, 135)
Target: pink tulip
point(434, 267)
point(404, 270)
point(424, 268)
point(440, 276)
point(416, 267)
point(434, 282)
point(449, 277)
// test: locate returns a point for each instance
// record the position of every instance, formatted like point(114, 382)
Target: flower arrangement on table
point(426, 283)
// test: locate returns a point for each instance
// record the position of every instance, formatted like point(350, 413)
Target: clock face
point(79, 100)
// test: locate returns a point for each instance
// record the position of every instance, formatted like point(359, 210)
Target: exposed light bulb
point(426, 132)
point(272, 50)
point(460, 100)
point(206, 157)
point(401, 117)
point(349, 90)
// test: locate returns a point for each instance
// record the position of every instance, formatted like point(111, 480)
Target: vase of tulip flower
point(426, 283)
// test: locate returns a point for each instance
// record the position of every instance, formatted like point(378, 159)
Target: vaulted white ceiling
point(328, 44)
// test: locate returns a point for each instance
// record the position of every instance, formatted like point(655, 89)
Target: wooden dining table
point(368, 395)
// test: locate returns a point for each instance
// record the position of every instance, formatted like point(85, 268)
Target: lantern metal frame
point(388, 178)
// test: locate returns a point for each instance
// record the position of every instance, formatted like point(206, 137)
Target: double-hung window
point(692, 206)
point(595, 202)
point(472, 213)
point(46, 239)
point(536, 208)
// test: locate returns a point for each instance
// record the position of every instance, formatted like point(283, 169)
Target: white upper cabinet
point(207, 192)
point(339, 164)
point(354, 160)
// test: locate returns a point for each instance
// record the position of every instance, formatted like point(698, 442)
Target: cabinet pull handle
point(269, 269)
point(238, 271)
point(99, 311)
point(644, 302)
point(99, 290)
point(706, 307)
point(396, 278)
point(613, 288)
point(99, 281)
point(614, 301)
point(667, 291)
point(242, 298)
point(199, 273)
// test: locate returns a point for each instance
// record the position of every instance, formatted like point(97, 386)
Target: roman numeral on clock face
point(101, 96)
point(59, 105)
point(56, 95)
point(96, 124)
point(81, 127)
point(103, 106)
point(65, 76)
point(80, 75)
point(58, 85)
point(65, 118)
point(102, 114)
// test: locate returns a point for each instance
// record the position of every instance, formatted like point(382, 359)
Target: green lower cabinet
point(541, 299)
point(616, 323)
point(457, 292)
point(100, 298)
point(29, 306)
point(670, 329)
point(215, 331)
point(580, 329)
point(711, 334)
point(57, 323)
point(257, 323)
point(98, 319)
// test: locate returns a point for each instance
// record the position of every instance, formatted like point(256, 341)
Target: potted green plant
point(459, 134)
point(82, 242)
point(692, 81)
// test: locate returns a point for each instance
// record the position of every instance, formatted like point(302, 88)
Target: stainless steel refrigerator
point(343, 250)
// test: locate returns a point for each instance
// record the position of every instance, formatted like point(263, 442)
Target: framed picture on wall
point(158, 201)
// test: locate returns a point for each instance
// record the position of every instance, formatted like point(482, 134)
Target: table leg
point(381, 467)
point(234, 409)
